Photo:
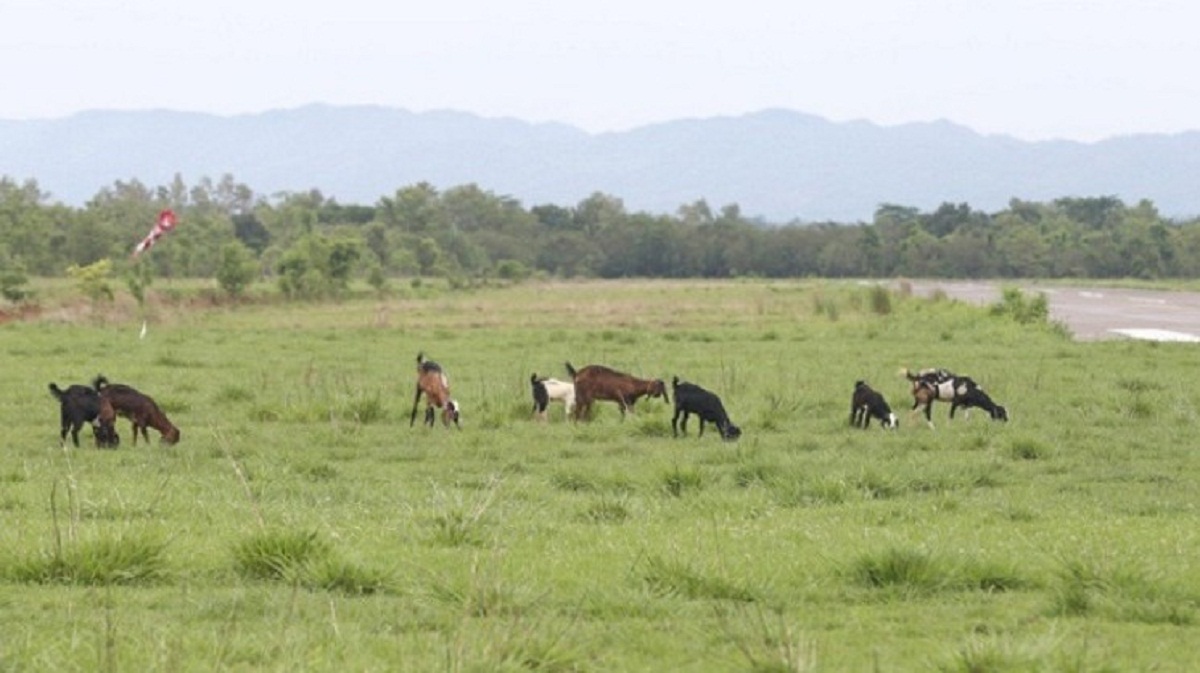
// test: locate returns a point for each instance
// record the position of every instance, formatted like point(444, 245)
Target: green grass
point(302, 524)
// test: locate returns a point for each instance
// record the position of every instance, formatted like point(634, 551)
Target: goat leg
point(413, 418)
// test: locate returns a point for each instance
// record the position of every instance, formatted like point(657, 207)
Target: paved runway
point(1096, 313)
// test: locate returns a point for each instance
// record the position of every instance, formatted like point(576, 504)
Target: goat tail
point(56, 391)
point(420, 357)
point(908, 374)
point(570, 370)
point(99, 382)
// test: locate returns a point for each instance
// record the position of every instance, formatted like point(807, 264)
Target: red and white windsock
point(166, 222)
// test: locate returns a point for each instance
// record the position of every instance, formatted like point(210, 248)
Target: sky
point(1033, 69)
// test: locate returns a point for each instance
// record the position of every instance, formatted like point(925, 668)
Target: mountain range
point(777, 165)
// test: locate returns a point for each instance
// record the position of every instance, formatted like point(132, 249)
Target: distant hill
point(781, 166)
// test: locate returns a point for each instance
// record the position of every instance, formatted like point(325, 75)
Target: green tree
point(415, 209)
point(237, 268)
point(304, 268)
point(598, 212)
point(430, 260)
point(13, 279)
point(344, 254)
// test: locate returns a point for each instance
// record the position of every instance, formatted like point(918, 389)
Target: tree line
point(312, 245)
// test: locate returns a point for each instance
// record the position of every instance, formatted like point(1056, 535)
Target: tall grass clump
point(826, 306)
point(678, 481)
point(117, 560)
point(606, 509)
point(768, 644)
point(352, 579)
point(880, 300)
point(279, 554)
point(1027, 449)
point(991, 656)
point(460, 523)
point(365, 408)
point(1124, 594)
point(900, 568)
point(670, 577)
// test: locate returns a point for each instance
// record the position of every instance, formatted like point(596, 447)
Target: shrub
point(93, 280)
point(1014, 305)
point(512, 270)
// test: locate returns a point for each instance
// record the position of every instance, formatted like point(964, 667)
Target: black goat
point(867, 403)
point(78, 405)
point(692, 399)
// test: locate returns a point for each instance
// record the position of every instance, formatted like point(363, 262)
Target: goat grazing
point(692, 399)
point(548, 390)
point(867, 403)
point(141, 410)
point(433, 382)
point(930, 385)
point(597, 382)
point(78, 405)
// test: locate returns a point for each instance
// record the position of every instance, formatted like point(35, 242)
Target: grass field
point(301, 524)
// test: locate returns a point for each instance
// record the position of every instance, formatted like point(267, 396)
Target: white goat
point(548, 390)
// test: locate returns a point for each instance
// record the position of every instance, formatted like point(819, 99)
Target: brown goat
point(433, 382)
point(142, 411)
point(597, 382)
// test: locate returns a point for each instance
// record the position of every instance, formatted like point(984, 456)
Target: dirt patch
point(19, 312)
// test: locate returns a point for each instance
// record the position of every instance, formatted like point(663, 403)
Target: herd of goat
point(101, 403)
point(597, 382)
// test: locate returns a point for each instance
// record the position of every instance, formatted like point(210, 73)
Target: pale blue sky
point(1034, 69)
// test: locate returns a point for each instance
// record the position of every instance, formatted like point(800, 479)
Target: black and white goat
point(547, 390)
point(930, 385)
point(867, 403)
point(692, 399)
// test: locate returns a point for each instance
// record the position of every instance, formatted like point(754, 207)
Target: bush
point(93, 279)
point(511, 269)
point(1015, 305)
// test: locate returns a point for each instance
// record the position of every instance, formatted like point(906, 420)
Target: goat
point(433, 382)
point(547, 390)
point(930, 385)
point(692, 399)
point(865, 403)
point(80, 404)
point(141, 410)
point(597, 382)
